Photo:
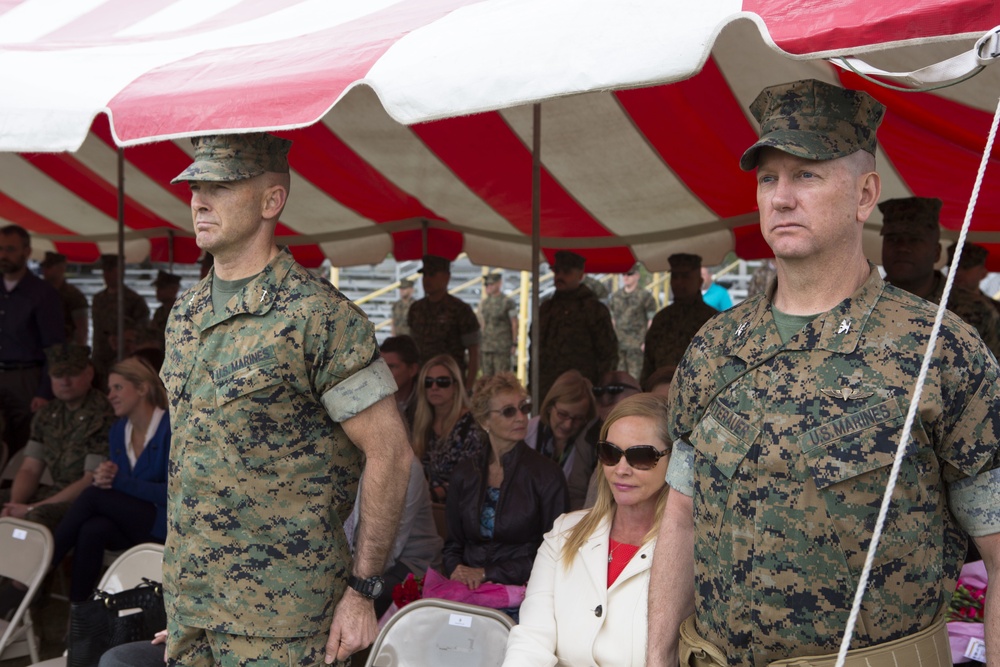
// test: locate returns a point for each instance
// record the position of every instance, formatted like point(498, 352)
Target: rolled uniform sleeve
point(359, 391)
point(680, 472)
point(973, 502)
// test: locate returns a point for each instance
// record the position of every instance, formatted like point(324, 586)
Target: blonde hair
point(139, 372)
point(423, 418)
point(650, 406)
point(490, 386)
point(570, 387)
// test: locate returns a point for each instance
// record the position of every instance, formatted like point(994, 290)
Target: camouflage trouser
point(630, 361)
point(494, 362)
point(48, 515)
point(197, 647)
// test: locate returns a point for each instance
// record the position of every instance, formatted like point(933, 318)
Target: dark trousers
point(17, 389)
point(100, 519)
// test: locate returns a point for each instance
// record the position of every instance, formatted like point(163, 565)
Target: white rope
point(859, 594)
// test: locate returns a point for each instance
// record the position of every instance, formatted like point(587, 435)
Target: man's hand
point(37, 403)
point(472, 577)
point(16, 510)
point(354, 626)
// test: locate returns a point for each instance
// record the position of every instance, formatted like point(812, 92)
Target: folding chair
point(27, 550)
point(128, 571)
point(442, 633)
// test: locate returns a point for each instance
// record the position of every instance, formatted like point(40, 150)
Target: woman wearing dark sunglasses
point(586, 599)
point(444, 431)
point(502, 502)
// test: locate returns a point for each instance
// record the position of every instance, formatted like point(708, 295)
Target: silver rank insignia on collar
point(845, 327)
point(743, 327)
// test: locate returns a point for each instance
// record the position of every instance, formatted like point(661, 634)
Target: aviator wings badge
point(847, 393)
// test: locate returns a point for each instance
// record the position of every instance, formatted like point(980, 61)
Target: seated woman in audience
point(501, 503)
point(127, 503)
point(586, 599)
point(566, 411)
point(444, 432)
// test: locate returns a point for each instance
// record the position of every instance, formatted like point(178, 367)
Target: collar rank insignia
point(742, 328)
point(845, 327)
point(847, 393)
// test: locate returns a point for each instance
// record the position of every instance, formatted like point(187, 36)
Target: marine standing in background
point(104, 311)
point(401, 308)
point(74, 303)
point(971, 271)
point(279, 401)
point(632, 310)
point(167, 285)
point(575, 328)
point(444, 324)
point(499, 314)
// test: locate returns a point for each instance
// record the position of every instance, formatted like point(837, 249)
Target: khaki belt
point(927, 648)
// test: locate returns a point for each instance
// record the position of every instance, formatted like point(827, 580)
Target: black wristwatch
point(371, 587)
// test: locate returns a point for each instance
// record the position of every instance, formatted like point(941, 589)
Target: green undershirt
point(223, 290)
point(789, 325)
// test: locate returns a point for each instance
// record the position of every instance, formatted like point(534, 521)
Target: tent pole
point(536, 246)
point(423, 238)
point(121, 253)
point(170, 249)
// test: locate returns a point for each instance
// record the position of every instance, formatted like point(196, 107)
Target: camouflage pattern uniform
point(497, 313)
point(262, 473)
point(671, 331)
point(104, 314)
point(73, 301)
point(576, 333)
point(448, 326)
point(790, 447)
point(631, 313)
point(761, 278)
point(400, 315)
point(973, 308)
point(599, 289)
point(64, 439)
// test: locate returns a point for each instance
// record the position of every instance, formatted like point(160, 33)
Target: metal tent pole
point(536, 246)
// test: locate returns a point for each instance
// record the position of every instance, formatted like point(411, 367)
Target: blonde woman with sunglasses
point(444, 431)
point(586, 598)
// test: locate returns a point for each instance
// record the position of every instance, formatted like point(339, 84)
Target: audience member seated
point(501, 503)
point(566, 410)
point(127, 503)
point(417, 546)
point(137, 654)
point(586, 598)
point(403, 359)
point(444, 432)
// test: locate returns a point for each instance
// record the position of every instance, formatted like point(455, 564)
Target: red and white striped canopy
point(412, 119)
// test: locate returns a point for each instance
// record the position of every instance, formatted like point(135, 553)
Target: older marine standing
point(632, 310)
point(786, 414)
point(278, 400)
point(673, 327)
point(444, 324)
point(499, 314)
point(401, 308)
point(576, 330)
point(910, 248)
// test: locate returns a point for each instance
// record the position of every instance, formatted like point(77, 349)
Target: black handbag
point(110, 619)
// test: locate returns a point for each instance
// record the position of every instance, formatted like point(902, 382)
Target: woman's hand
point(472, 577)
point(104, 474)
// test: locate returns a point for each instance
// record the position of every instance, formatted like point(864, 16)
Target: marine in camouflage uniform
point(262, 371)
point(785, 429)
point(971, 271)
point(499, 314)
point(674, 326)
point(631, 312)
point(575, 328)
point(74, 303)
point(104, 311)
point(401, 309)
point(167, 286)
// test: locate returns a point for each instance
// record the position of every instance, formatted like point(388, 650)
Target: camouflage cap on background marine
point(67, 358)
point(52, 259)
point(814, 120)
point(911, 216)
point(236, 157)
point(109, 262)
point(492, 278)
point(565, 259)
point(435, 264)
point(163, 279)
point(972, 256)
point(405, 283)
point(633, 270)
point(684, 262)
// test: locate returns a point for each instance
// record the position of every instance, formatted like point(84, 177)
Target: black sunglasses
point(612, 389)
point(508, 411)
point(640, 457)
point(444, 382)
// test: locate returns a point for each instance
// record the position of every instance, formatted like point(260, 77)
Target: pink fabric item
point(959, 632)
point(495, 596)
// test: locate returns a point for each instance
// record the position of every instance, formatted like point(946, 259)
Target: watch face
point(377, 586)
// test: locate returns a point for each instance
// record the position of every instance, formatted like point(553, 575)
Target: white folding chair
point(27, 550)
point(442, 633)
point(128, 571)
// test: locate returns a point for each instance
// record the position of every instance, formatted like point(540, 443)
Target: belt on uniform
point(928, 648)
point(19, 365)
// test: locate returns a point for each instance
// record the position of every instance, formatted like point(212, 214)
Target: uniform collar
point(256, 298)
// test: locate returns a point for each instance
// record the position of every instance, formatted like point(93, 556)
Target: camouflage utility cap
point(633, 270)
point(911, 216)
point(67, 359)
point(972, 256)
point(569, 260)
point(405, 283)
point(52, 259)
point(434, 264)
point(492, 278)
point(236, 157)
point(109, 262)
point(684, 262)
point(814, 120)
point(163, 278)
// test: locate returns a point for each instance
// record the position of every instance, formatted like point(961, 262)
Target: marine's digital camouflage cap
point(564, 259)
point(814, 120)
point(972, 256)
point(67, 358)
point(492, 278)
point(911, 216)
point(236, 157)
point(682, 261)
point(435, 264)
